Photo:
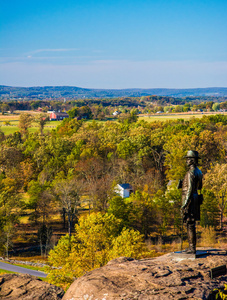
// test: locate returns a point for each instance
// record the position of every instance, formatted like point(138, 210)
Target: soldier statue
point(191, 200)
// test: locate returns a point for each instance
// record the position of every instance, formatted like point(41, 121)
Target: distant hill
point(77, 92)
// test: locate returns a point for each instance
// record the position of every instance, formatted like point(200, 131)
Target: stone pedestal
point(198, 254)
point(184, 255)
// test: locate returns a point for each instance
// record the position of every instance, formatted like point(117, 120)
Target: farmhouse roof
point(61, 114)
point(126, 186)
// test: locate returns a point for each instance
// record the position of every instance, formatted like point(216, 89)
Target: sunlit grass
point(2, 271)
point(55, 217)
point(9, 129)
point(11, 122)
point(24, 220)
point(53, 123)
point(25, 196)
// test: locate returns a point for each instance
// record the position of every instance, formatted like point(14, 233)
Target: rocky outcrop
point(165, 277)
point(26, 287)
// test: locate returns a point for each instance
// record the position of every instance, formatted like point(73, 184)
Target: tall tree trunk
point(70, 223)
point(63, 215)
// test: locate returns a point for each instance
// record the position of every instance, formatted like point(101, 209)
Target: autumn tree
point(209, 210)
point(4, 108)
point(35, 104)
point(68, 192)
point(157, 141)
point(7, 233)
point(141, 216)
point(41, 120)
point(127, 118)
point(48, 154)
point(97, 176)
point(10, 199)
point(98, 238)
point(163, 206)
point(44, 236)
point(176, 148)
point(216, 181)
point(10, 157)
point(40, 200)
point(73, 112)
point(121, 208)
point(25, 121)
point(207, 143)
point(10, 209)
point(173, 197)
point(216, 106)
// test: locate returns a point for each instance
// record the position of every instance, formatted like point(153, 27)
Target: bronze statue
point(191, 200)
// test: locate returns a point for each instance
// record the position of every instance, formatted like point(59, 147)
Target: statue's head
point(192, 158)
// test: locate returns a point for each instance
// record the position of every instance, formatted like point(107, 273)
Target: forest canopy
point(73, 170)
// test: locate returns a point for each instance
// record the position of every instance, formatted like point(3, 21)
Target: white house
point(116, 113)
point(124, 190)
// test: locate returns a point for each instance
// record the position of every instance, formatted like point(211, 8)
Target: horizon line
point(134, 88)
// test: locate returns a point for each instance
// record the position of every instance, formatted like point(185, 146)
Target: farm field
point(165, 117)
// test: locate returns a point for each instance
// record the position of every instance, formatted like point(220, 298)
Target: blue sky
point(114, 44)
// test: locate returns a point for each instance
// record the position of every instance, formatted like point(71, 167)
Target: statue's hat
point(192, 154)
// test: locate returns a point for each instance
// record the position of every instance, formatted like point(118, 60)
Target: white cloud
point(53, 50)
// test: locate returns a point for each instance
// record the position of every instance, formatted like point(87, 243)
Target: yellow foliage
point(97, 240)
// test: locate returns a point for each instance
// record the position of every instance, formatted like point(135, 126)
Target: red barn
point(58, 116)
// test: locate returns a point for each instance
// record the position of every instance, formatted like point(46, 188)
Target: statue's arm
point(201, 182)
point(179, 185)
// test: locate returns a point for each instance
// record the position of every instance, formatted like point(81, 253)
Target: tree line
point(102, 108)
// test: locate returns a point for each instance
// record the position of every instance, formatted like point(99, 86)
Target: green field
point(13, 127)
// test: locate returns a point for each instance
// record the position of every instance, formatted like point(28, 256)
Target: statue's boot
point(191, 237)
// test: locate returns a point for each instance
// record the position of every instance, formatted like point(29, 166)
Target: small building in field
point(124, 190)
point(116, 113)
point(58, 116)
